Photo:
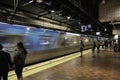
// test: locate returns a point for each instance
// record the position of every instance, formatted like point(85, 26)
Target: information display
point(86, 28)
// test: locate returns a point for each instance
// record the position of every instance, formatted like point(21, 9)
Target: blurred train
point(41, 44)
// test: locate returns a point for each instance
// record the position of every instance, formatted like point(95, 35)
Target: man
point(5, 63)
point(81, 47)
point(93, 47)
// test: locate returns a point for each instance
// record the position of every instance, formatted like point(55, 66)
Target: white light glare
point(28, 28)
point(52, 11)
point(116, 37)
point(68, 17)
point(31, 1)
point(97, 33)
point(73, 34)
point(2, 23)
point(86, 40)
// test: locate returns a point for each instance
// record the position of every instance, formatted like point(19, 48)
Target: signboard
point(86, 28)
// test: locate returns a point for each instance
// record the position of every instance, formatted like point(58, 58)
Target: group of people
point(96, 44)
point(7, 64)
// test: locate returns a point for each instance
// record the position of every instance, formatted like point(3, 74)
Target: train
point(41, 44)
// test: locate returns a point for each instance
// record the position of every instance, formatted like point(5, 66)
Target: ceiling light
point(68, 17)
point(105, 29)
point(39, 1)
point(97, 33)
point(52, 11)
point(116, 36)
point(31, 1)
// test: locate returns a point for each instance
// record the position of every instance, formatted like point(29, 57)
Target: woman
point(19, 60)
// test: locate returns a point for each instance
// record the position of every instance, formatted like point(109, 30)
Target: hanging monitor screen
point(86, 28)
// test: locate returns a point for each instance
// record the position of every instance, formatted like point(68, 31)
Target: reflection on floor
point(105, 66)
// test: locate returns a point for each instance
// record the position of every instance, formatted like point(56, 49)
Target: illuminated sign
point(85, 28)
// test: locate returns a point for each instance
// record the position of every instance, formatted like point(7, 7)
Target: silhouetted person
point(19, 60)
point(93, 48)
point(115, 46)
point(5, 63)
point(98, 46)
point(102, 44)
point(106, 44)
point(81, 47)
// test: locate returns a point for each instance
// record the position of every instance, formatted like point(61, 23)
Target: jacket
point(5, 61)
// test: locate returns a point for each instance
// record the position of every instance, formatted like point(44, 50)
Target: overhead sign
point(85, 28)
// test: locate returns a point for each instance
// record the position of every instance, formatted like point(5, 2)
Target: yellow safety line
point(49, 65)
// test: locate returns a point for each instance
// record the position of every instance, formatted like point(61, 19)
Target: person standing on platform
point(115, 46)
point(98, 46)
point(81, 47)
point(93, 48)
point(5, 64)
point(19, 60)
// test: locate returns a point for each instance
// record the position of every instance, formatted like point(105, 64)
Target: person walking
point(81, 47)
point(19, 60)
point(5, 64)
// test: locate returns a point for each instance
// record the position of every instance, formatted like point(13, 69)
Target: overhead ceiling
point(109, 13)
point(71, 13)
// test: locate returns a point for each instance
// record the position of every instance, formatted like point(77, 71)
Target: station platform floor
point(105, 66)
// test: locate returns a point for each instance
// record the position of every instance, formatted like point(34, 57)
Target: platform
point(105, 66)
